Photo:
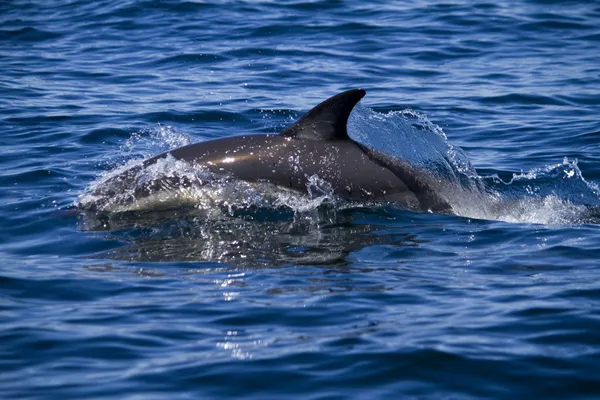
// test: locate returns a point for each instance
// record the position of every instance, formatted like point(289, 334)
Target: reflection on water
point(258, 237)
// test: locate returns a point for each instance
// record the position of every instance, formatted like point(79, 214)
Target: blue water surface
point(318, 301)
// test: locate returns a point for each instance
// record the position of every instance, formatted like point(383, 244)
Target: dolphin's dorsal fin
point(328, 120)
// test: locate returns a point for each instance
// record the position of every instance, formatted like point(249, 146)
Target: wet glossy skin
point(290, 162)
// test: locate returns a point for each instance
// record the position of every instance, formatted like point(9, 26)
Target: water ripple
point(366, 302)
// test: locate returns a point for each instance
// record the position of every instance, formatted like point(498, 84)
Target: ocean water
point(302, 297)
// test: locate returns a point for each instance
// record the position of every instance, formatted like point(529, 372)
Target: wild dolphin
point(315, 145)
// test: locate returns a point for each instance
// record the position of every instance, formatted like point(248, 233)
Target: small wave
point(525, 99)
point(28, 34)
point(186, 59)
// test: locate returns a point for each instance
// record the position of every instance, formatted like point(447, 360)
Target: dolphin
point(317, 144)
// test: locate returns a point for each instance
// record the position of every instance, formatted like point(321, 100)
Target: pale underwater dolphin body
point(316, 145)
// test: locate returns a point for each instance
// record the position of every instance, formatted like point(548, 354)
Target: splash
point(170, 183)
point(410, 136)
point(146, 143)
point(119, 190)
point(157, 139)
point(555, 194)
point(175, 184)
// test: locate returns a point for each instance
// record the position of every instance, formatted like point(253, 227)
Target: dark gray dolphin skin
point(316, 144)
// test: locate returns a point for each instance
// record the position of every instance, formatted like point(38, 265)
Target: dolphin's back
point(293, 163)
point(316, 148)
